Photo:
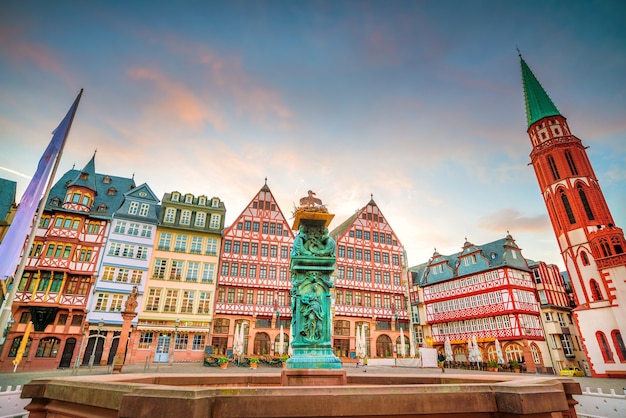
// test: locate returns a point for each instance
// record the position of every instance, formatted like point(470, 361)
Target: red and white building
point(253, 282)
point(370, 285)
point(591, 244)
point(484, 291)
point(61, 269)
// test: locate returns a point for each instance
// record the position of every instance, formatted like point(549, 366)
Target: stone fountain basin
point(262, 395)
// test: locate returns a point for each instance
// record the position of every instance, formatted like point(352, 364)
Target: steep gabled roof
point(87, 176)
point(538, 103)
point(109, 191)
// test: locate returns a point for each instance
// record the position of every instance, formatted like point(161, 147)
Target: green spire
point(538, 103)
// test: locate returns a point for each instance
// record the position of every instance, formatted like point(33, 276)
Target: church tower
point(591, 244)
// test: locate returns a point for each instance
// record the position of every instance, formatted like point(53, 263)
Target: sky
point(416, 103)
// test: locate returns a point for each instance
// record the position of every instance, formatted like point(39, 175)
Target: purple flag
point(13, 242)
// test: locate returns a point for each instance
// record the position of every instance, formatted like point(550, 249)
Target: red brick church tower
point(591, 244)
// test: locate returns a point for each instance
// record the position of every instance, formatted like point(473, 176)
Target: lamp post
point(176, 324)
point(95, 344)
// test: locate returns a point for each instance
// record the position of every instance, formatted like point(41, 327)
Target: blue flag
point(13, 242)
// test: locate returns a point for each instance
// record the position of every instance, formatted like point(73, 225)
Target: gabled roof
point(87, 176)
point(538, 103)
point(341, 230)
point(109, 191)
point(489, 256)
point(251, 210)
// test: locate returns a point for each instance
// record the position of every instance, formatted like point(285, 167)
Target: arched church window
point(585, 202)
point(607, 354)
point(568, 208)
point(584, 258)
point(595, 290)
point(571, 163)
point(553, 168)
point(618, 342)
point(605, 247)
point(617, 245)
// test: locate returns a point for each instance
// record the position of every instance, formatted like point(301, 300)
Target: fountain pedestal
point(312, 263)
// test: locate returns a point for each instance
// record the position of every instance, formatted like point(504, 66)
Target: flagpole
point(6, 312)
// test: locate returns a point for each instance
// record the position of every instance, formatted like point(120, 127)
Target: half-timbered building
point(591, 244)
point(254, 280)
point(61, 268)
point(176, 311)
point(370, 285)
point(565, 348)
point(486, 292)
point(125, 265)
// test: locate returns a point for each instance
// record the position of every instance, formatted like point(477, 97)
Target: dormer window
point(84, 176)
point(215, 203)
point(112, 191)
point(106, 179)
point(55, 201)
point(175, 197)
point(189, 199)
point(202, 201)
point(102, 208)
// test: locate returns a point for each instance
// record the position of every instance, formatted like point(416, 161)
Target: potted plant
point(223, 362)
point(516, 366)
point(492, 366)
point(254, 362)
point(284, 359)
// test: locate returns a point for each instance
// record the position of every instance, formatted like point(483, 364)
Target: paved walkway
point(21, 378)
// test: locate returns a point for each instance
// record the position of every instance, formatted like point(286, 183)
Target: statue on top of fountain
point(310, 203)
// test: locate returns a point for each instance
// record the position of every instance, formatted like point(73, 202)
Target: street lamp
point(95, 344)
point(176, 324)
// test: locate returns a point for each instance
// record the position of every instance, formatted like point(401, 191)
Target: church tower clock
point(591, 244)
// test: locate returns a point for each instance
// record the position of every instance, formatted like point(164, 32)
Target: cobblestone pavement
point(21, 377)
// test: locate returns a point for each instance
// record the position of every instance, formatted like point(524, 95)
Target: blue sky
point(419, 103)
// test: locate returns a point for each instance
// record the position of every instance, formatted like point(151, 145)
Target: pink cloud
point(176, 100)
point(23, 53)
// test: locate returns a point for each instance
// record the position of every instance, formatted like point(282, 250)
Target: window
point(192, 271)
point(585, 202)
point(102, 301)
point(159, 268)
point(170, 300)
point(145, 340)
point(146, 231)
point(200, 219)
point(571, 163)
point(176, 271)
point(185, 217)
point(165, 241)
point(595, 290)
point(180, 245)
point(133, 208)
point(618, 342)
point(170, 215)
point(120, 227)
point(607, 354)
point(211, 246)
point(553, 168)
point(196, 245)
point(116, 303)
point(186, 305)
point(198, 342)
point(145, 208)
point(215, 221)
point(208, 272)
point(568, 208)
point(204, 303)
point(133, 229)
point(48, 347)
point(585, 258)
point(108, 274)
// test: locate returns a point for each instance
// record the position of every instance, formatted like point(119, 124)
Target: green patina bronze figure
point(312, 263)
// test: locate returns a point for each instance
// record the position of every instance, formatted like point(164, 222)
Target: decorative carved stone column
point(127, 316)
